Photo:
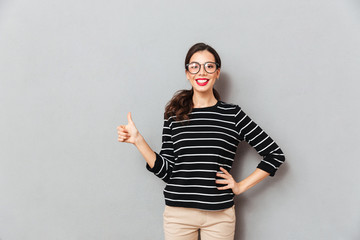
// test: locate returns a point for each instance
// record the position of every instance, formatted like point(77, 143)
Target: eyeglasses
point(194, 67)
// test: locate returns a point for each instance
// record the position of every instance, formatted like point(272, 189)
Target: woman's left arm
point(239, 187)
point(265, 146)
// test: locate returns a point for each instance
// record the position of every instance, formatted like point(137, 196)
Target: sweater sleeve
point(165, 159)
point(266, 147)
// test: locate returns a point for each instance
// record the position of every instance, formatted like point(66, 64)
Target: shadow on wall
point(223, 85)
point(241, 201)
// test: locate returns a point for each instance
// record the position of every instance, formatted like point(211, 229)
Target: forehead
point(202, 57)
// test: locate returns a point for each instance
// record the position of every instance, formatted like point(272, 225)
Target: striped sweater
point(194, 150)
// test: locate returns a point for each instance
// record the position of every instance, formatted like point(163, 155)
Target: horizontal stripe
point(240, 121)
point(181, 200)
point(185, 170)
point(245, 126)
point(192, 178)
point(205, 147)
point(255, 136)
point(261, 142)
point(266, 147)
point(166, 149)
point(198, 186)
point(276, 149)
point(278, 160)
point(213, 163)
point(270, 164)
point(201, 139)
point(221, 114)
point(202, 194)
point(198, 126)
point(202, 119)
point(217, 113)
point(227, 108)
point(212, 132)
point(277, 153)
point(167, 155)
point(205, 154)
point(250, 132)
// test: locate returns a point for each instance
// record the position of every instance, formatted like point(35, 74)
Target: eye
point(193, 66)
point(210, 65)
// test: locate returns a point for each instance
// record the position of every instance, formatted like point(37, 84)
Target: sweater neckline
point(210, 107)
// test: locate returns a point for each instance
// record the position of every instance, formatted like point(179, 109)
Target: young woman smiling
point(200, 137)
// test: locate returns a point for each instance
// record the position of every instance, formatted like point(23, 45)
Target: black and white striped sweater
point(194, 150)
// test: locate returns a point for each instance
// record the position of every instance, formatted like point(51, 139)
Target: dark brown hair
point(181, 103)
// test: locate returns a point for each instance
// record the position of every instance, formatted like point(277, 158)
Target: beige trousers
point(185, 223)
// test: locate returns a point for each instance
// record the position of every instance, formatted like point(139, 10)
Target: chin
point(202, 90)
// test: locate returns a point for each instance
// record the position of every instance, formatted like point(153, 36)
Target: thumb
point(129, 118)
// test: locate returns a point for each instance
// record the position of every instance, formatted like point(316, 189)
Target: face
point(202, 82)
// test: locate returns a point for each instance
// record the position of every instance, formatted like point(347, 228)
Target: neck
point(204, 100)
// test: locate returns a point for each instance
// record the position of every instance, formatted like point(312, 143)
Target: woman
point(199, 141)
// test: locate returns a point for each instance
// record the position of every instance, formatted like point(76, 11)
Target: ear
point(187, 74)
point(218, 73)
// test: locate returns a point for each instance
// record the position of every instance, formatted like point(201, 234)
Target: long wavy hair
point(181, 103)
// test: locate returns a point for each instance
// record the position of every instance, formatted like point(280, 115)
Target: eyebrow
point(202, 63)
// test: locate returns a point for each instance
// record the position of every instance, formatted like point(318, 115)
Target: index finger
point(122, 128)
point(224, 171)
point(222, 175)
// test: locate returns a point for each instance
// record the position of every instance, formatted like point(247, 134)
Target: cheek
point(215, 76)
point(190, 77)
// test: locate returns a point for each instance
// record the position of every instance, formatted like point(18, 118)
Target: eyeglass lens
point(195, 67)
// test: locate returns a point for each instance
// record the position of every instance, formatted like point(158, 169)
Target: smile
point(202, 81)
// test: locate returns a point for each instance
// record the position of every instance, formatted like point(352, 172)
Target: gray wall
point(71, 70)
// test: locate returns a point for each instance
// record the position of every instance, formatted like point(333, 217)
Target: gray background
point(71, 70)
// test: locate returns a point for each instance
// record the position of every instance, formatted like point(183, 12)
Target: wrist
point(241, 187)
point(138, 139)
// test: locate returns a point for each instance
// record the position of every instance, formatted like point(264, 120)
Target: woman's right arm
point(161, 164)
point(129, 134)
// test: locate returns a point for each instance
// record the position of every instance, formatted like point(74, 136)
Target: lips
point(202, 81)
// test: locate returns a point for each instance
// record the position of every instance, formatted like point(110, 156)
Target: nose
point(202, 70)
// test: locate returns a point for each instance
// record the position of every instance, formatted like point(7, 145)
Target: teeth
point(202, 81)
